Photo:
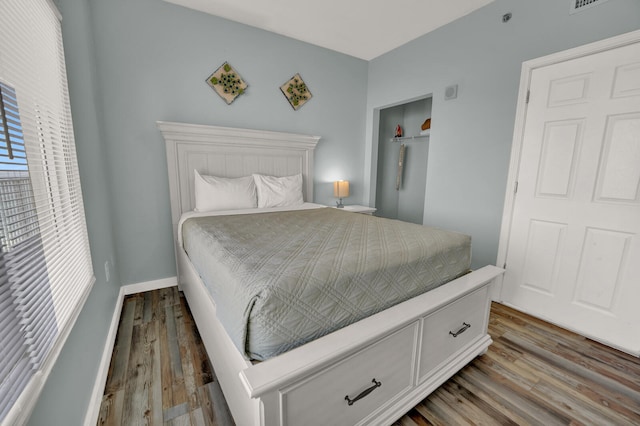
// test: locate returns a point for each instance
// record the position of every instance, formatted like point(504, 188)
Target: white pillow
point(216, 193)
point(279, 191)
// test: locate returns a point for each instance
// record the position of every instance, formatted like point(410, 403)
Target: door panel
point(544, 246)
point(558, 158)
point(619, 174)
point(604, 255)
point(574, 245)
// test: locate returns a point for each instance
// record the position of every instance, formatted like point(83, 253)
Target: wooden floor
point(534, 373)
point(159, 372)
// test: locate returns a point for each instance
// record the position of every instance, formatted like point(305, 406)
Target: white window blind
point(45, 262)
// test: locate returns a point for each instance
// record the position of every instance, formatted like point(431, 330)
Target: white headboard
point(231, 152)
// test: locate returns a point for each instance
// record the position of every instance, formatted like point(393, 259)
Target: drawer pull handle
point(460, 330)
point(364, 393)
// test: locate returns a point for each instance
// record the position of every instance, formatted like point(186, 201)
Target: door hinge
point(515, 188)
point(526, 101)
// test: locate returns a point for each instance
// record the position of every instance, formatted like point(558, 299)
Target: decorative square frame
point(227, 83)
point(296, 92)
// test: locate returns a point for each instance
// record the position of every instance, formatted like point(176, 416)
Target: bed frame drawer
point(451, 329)
point(323, 396)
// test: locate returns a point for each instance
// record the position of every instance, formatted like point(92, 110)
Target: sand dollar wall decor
point(227, 83)
point(296, 91)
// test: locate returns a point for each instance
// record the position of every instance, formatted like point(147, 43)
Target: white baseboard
point(149, 285)
point(93, 411)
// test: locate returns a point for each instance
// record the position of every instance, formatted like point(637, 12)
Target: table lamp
point(340, 190)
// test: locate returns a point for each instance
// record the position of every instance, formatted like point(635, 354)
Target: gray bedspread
point(282, 279)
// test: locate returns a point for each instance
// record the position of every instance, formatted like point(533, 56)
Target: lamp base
point(339, 204)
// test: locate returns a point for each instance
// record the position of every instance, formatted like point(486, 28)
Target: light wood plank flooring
point(534, 373)
point(159, 372)
point(539, 374)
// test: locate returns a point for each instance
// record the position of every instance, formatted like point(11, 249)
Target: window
point(45, 263)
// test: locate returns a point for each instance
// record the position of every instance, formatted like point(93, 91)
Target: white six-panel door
point(573, 251)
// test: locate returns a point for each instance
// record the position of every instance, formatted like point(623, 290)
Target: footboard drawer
point(451, 329)
point(351, 391)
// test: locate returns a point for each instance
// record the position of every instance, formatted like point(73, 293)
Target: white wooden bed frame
point(408, 349)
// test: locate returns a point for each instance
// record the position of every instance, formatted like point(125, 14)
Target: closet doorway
point(401, 179)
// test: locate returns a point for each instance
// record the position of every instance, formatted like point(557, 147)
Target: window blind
point(45, 262)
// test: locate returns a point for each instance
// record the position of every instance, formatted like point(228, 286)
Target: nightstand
point(358, 209)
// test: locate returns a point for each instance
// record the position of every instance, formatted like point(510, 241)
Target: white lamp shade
point(341, 188)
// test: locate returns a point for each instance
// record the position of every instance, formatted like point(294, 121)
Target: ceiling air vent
point(580, 5)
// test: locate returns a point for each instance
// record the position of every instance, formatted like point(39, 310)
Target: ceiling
point(361, 28)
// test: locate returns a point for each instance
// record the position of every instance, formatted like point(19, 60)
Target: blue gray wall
point(471, 136)
point(131, 63)
point(152, 61)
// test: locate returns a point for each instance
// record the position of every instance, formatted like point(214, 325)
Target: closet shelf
point(406, 138)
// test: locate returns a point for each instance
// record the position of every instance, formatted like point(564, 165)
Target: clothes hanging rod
point(405, 138)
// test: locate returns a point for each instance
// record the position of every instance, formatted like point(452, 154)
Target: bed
point(368, 372)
